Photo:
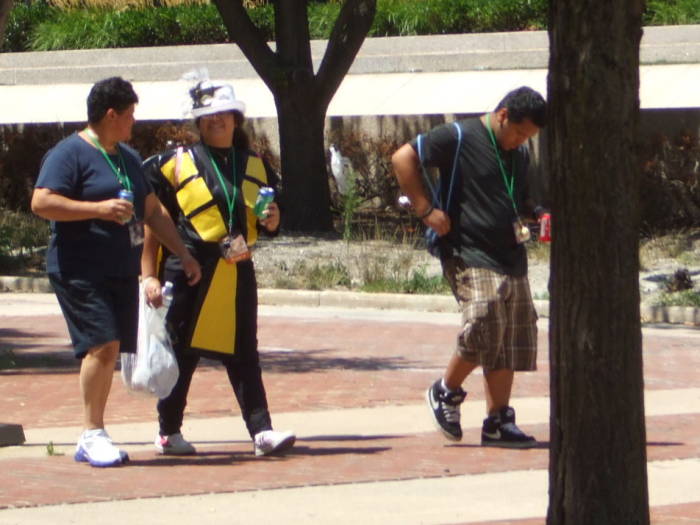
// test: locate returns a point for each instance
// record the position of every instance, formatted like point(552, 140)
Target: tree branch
point(243, 32)
point(349, 32)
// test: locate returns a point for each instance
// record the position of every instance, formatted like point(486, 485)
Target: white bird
point(340, 168)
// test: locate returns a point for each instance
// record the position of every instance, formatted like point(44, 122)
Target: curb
point(688, 315)
point(25, 284)
point(380, 301)
point(685, 315)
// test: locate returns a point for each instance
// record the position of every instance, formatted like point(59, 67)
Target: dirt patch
point(278, 260)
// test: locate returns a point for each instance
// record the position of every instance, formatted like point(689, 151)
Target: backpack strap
point(434, 190)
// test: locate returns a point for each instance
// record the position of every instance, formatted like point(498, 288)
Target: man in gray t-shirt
point(482, 164)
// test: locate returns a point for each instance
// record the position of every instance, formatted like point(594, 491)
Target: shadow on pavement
point(20, 361)
point(201, 458)
point(351, 437)
point(664, 444)
point(333, 451)
point(314, 360)
point(541, 445)
point(23, 352)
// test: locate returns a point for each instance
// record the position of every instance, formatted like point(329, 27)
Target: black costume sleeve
point(162, 188)
point(273, 180)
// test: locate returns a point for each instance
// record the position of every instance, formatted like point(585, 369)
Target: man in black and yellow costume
point(210, 189)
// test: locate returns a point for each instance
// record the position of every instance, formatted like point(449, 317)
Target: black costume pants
point(243, 367)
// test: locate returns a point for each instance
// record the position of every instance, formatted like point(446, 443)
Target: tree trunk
point(305, 194)
point(5, 6)
point(301, 97)
point(597, 470)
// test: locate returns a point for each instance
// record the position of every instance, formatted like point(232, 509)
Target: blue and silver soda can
point(265, 197)
point(127, 196)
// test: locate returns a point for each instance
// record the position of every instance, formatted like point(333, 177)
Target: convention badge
point(135, 232)
point(522, 232)
point(234, 248)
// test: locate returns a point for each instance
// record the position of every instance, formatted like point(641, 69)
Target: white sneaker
point(95, 447)
point(174, 445)
point(270, 442)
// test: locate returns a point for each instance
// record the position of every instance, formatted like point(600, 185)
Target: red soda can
point(545, 227)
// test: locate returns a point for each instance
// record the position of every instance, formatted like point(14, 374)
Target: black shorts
point(99, 311)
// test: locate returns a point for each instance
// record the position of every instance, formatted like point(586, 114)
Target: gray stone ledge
point(434, 53)
point(25, 284)
point(687, 315)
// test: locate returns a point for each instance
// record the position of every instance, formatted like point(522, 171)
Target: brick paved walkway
point(352, 386)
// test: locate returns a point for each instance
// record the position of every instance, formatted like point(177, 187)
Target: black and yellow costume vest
point(198, 194)
point(195, 198)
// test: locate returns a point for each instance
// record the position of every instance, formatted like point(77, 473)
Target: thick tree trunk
point(301, 97)
point(305, 196)
point(598, 442)
point(5, 6)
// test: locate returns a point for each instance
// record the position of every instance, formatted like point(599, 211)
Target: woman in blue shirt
point(92, 189)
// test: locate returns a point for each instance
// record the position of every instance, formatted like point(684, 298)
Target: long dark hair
point(240, 137)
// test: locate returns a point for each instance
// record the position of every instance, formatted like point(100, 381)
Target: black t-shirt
point(481, 210)
point(91, 248)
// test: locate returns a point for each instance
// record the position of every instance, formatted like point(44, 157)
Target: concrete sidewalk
point(366, 449)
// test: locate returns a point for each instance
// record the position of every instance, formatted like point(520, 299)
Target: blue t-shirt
point(91, 248)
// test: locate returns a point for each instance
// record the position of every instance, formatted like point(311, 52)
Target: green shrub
point(20, 232)
point(20, 22)
point(425, 17)
point(306, 276)
point(98, 28)
point(322, 16)
point(21, 236)
point(328, 276)
point(79, 29)
point(38, 26)
point(672, 12)
point(418, 283)
point(349, 204)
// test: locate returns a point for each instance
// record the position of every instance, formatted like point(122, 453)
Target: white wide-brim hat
point(210, 97)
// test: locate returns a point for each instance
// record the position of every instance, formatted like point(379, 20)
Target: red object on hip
point(545, 227)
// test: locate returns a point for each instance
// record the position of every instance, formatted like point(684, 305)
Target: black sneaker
point(444, 407)
point(501, 431)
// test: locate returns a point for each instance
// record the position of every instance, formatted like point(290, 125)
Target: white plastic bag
point(153, 368)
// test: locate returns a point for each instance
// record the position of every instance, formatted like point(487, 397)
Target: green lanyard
point(509, 183)
point(123, 178)
point(230, 199)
